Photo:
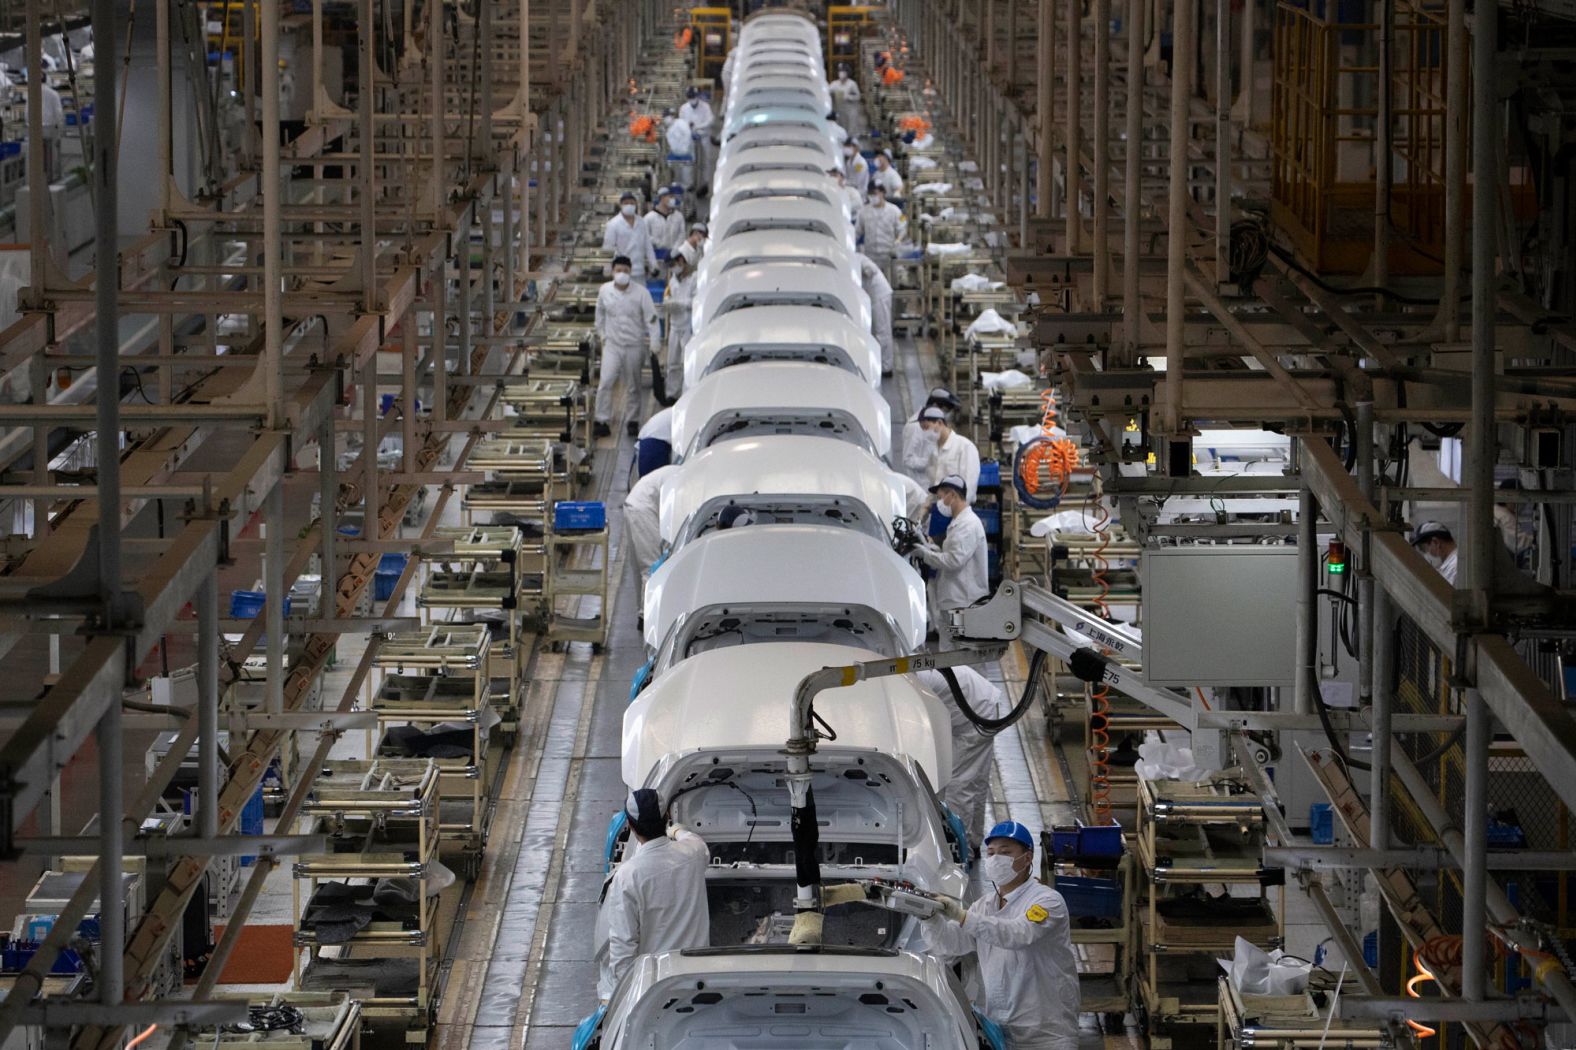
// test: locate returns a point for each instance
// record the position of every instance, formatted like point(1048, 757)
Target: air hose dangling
point(1041, 470)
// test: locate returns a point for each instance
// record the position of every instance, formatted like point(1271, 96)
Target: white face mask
point(667, 202)
point(1000, 869)
point(933, 435)
point(842, 74)
point(621, 278)
point(946, 512)
point(849, 151)
point(628, 210)
point(1433, 559)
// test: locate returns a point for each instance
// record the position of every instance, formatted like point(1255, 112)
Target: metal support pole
point(1383, 144)
point(408, 355)
point(106, 286)
point(1365, 579)
point(1474, 863)
point(1455, 162)
point(166, 125)
point(328, 511)
point(1483, 448)
point(274, 588)
point(370, 529)
point(1072, 176)
point(366, 177)
point(112, 828)
point(1102, 151)
point(37, 175)
point(1245, 93)
point(272, 363)
point(208, 706)
point(1176, 221)
point(435, 51)
point(1132, 187)
point(1222, 141)
point(1045, 107)
point(1307, 585)
point(1383, 666)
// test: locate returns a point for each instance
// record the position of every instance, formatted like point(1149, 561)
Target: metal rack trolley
point(327, 1021)
point(1286, 1022)
point(383, 817)
point(578, 565)
point(442, 674)
point(1105, 993)
point(1191, 835)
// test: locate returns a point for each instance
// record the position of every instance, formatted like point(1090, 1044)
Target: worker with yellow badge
point(1022, 936)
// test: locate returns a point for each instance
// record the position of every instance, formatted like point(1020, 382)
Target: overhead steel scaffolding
point(405, 220)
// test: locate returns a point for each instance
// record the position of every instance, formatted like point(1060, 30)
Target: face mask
point(667, 202)
point(621, 278)
point(628, 210)
point(849, 151)
point(1000, 869)
point(1433, 559)
point(841, 75)
point(946, 512)
point(933, 435)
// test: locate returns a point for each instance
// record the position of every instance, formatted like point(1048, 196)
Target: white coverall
point(915, 498)
point(853, 200)
point(630, 238)
point(666, 232)
point(659, 426)
point(681, 152)
point(53, 117)
point(958, 456)
point(917, 451)
point(643, 518)
point(856, 173)
point(677, 301)
point(888, 179)
point(879, 289)
point(972, 750)
point(655, 902)
point(626, 320)
point(880, 229)
point(962, 575)
point(845, 103)
point(698, 112)
point(1027, 967)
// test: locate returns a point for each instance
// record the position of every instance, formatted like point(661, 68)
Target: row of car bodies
point(783, 417)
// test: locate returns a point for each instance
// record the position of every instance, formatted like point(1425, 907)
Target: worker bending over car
point(1020, 930)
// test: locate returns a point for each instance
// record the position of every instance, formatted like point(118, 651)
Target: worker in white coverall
point(656, 900)
point(698, 112)
point(917, 444)
point(626, 322)
point(972, 750)
point(879, 229)
point(676, 301)
point(852, 201)
point(856, 170)
point(665, 225)
point(681, 149)
point(879, 289)
point(886, 177)
point(950, 452)
point(52, 113)
point(845, 101)
point(1021, 932)
point(962, 575)
point(643, 518)
point(625, 234)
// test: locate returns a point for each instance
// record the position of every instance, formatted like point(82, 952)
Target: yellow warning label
point(1036, 913)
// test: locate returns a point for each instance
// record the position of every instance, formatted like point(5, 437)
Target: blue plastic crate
point(10, 149)
point(656, 288)
point(1321, 823)
point(246, 605)
point(1090, 898)
point(579, 515)
point(990, 517)
point(1064, 841)
point(252, 820)
point(990, 474)
point(1100, 840)
point(1506, 836)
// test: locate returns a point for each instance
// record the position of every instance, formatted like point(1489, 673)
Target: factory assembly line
point(1017, 525)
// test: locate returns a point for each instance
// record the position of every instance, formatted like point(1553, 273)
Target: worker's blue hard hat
point(1011, 829)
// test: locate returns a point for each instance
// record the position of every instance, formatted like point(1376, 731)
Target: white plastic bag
point(1011, 379)
point(1254, 971)
point(926, 188)
point(1161, 760)
point(943, 248)
point(988, 321)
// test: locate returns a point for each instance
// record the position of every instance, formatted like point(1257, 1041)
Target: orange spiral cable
point(1051, 461)
point(1439, 959)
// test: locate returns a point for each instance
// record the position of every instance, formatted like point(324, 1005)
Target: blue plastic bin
point(656, 288)
point(1100, 840)
point(252, 821)
point(1064, 841)
point(245, 605)
point(1090, 898)
point(990, 517)
point(579, 515)
point(1321, 823)
point(390, 568)
point(990, 474)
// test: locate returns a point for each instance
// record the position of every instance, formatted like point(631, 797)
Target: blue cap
point(1011, 829)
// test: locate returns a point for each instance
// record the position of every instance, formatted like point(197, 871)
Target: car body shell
point(773, 246)
point(778, 118)
point(776, 154)
point(781, 284)
point(764, 333)
point(765, 565)
point(779, 185)
point(774, 389)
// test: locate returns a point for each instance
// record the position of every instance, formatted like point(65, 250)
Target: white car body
point(774, 246)
point(786, 478)
point(780, 117)
point(781, 397)
point(726, 999)
point(772, 213)
point(783, 333)
point(767, 137)
point(771, 567)
point(780, 185)
point(755, 88)
point(781, 284)
point(810, 158)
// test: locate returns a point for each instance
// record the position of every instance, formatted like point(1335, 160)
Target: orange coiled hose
point(1051, 460)
point(1439, 960)
point(643, 127)
point(684, 38)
